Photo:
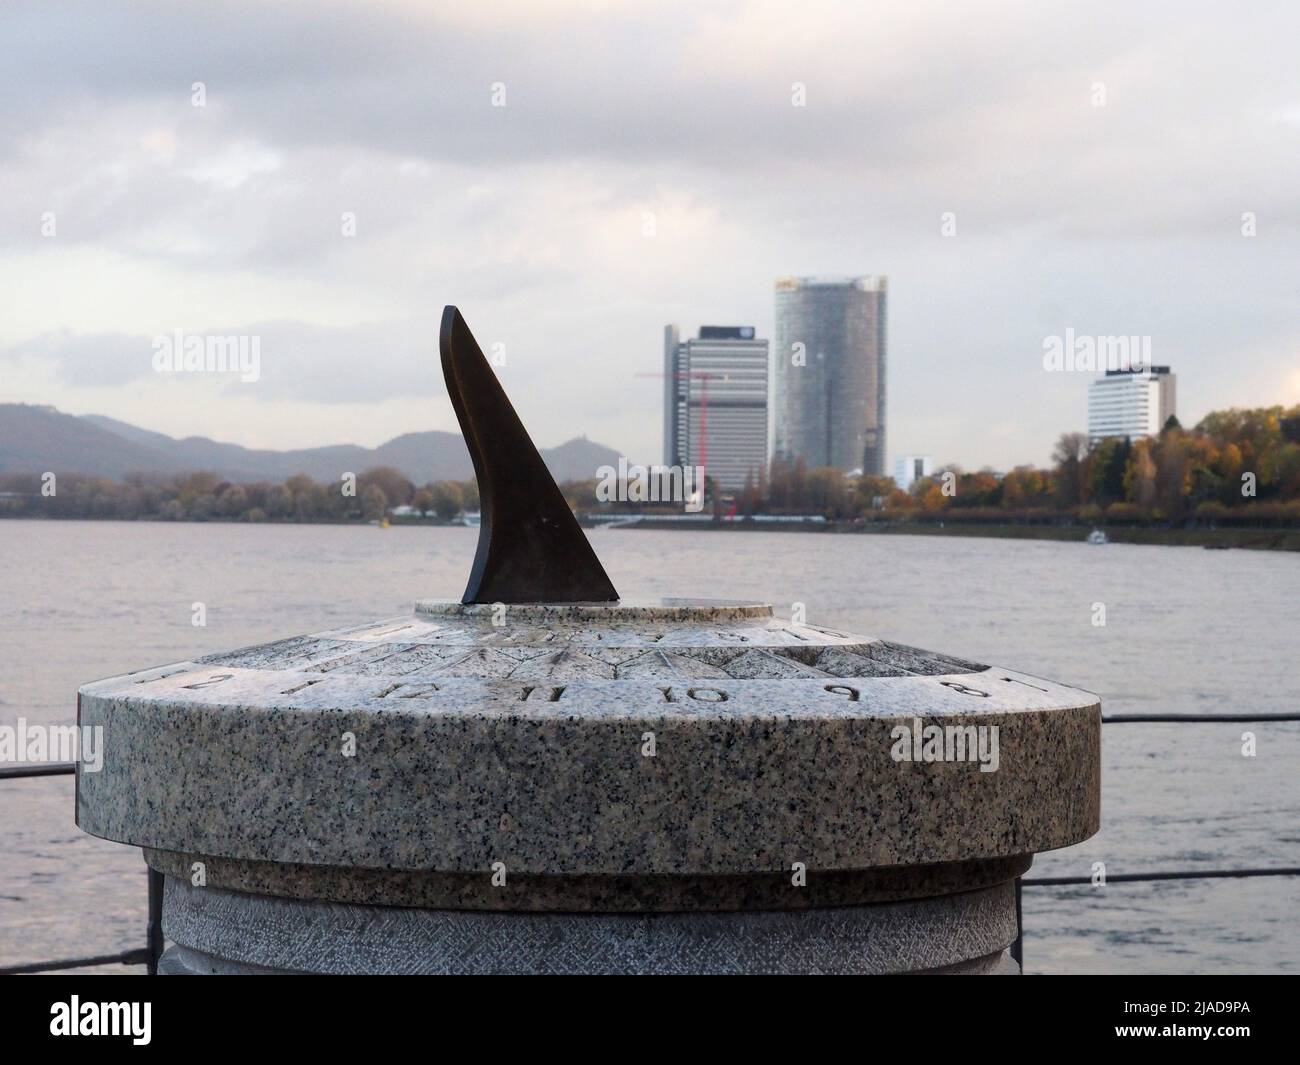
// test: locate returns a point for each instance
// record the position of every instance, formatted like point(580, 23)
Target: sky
point(574, 175)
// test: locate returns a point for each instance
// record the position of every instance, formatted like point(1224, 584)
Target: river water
point(1186, 631)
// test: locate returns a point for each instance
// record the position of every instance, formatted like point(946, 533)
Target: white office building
point(1131, 403)
point(908, 469)
point(715, 403)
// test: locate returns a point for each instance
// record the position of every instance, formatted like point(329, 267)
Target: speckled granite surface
point(525, 743)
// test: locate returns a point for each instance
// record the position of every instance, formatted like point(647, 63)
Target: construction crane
point(705, 377)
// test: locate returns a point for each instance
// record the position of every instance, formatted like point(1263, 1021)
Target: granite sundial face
point(520, 734)
point(544, 727)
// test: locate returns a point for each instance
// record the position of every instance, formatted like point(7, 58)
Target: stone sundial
point(542, 777)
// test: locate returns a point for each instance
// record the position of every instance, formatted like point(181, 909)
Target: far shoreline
point(1257, 538)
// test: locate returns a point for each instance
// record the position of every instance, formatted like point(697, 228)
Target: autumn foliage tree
point(1239, 466)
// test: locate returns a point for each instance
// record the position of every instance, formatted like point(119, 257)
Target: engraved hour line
point(299, 687)
point(215, 679)
point(422, 691)
point(162, 676)
point(385, 632)
point(1013, 680)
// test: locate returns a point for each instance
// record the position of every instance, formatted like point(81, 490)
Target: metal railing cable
point(1018, 947)
point(46, 769)
point(1132, 719)
point(150, 953)
point(147, 955)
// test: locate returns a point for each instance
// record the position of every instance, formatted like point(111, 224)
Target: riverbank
point(1250, 538)
point(1258, 539)
point(1253, 539)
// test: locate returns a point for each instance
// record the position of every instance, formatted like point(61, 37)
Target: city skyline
point(321, 193)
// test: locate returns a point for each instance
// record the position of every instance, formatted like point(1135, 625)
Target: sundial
point(540, 749)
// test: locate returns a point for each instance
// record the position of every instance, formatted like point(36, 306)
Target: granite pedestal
point(671, 787)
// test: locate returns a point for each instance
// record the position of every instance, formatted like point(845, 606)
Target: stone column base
point(217, 931)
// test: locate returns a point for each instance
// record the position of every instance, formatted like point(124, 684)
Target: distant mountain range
point(34, 439)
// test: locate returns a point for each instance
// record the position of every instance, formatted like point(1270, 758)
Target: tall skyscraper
point(829, 380)
point(715, 402)
point(1132, 403)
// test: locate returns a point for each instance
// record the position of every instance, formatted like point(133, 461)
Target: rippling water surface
point(1187, 631)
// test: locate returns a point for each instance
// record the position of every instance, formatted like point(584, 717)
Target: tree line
point(367, 496)
point(1235, 466)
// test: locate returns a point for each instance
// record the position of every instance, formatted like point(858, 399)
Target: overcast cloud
point(227, 218)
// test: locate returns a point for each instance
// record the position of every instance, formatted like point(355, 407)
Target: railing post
point(154, 930)
point(1018, 947)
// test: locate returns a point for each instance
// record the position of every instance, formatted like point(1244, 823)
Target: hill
point(34, 439)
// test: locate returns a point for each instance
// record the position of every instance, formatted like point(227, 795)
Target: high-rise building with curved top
point(828, 355)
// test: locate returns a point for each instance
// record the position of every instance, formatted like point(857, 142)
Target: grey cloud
point(297, 361)
point(989, 108)
point(1067, 214)
point(103, 360)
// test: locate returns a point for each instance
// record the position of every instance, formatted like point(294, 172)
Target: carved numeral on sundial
point(553, 697)
point(419, 691)
point(700, 695)
point(217, 679)
point(964, 689)
point(843, 689)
